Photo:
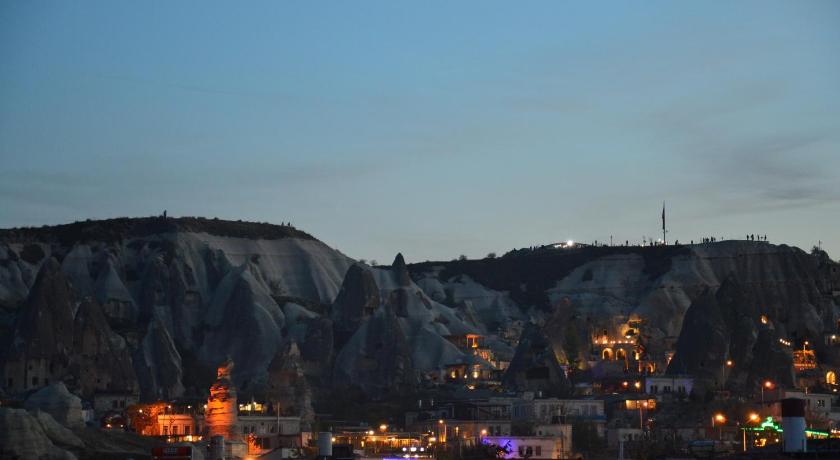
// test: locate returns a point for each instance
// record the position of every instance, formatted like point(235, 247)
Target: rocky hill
point(706, 303)
point(154, 304)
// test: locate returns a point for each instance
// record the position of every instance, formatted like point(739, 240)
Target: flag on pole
point(663, 216)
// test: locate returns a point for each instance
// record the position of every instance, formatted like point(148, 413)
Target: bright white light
point(413, 449)
point(570, 243)
point(404, 449)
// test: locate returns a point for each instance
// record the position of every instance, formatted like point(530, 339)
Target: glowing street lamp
point(641, 421)
point(383, 428)
point(720, 419)
point(768, 385)
point(754, 417)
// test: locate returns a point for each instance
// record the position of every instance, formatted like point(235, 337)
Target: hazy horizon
point(433, 130)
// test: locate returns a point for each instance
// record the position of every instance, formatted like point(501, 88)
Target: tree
point(462, 257)
point(491, 255)
point(571, 343)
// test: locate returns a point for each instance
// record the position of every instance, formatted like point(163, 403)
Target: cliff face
point(153, 304)
point(704, 302)
point(116, 304)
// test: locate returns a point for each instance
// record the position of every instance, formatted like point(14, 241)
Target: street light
point(767, 384)
point(720, 419)
point(753, 417)
point(641, 423)
point(727, 363)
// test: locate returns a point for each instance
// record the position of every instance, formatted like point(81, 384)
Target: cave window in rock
point(831, 378)
point(607, 354)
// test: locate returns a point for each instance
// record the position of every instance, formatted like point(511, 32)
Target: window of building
point(113, 403)
point(10, 382)
point(35, 381)
point(821, 403)
point(187, 429)
point(122, 403)
point(174, 429)
point(538, 451)
point(165, 430)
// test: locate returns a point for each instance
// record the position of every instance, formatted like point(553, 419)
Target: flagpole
point(664, 240)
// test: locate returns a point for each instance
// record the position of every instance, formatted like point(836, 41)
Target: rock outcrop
point(23, 436)
point(288, 387)
point(63, 406)
point(357, 300)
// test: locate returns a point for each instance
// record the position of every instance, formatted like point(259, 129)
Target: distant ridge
point(121, 228)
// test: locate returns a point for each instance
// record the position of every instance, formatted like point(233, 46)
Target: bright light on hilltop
point(570, 243)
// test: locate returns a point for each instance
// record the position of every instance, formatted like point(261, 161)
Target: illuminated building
point(804, 359)
point(534, 447)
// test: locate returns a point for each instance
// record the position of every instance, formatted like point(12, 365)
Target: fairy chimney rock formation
point(221, 413)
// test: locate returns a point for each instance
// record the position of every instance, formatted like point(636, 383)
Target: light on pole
point(720, 419)
point(768, 385)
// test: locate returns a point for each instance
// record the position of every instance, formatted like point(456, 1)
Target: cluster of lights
point(637, 384)
point(250, 407)
point(784, 342)
point(413, 449)
point(613, 342)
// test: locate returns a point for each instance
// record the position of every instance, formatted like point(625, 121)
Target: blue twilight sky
point(431, 128)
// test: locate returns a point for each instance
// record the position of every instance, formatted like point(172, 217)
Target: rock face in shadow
point(724, 324)
point(59, 337)
point(158, 364)
point(54, 399)
point(535, 367)
point(23, 436)
point(101, 359)
point(357, 300)
point(377, 357)
point(288, 386)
